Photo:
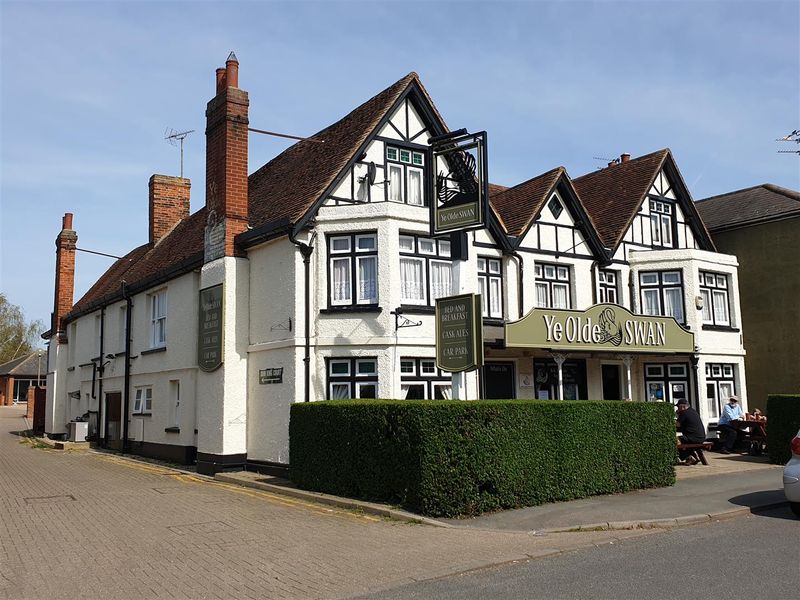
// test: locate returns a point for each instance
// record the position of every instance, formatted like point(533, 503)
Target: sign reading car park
point(460, 185)
point(600, 327)
point(459, 333)
point(209, 332)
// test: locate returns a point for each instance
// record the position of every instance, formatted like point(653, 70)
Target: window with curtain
point(426, 271)
point(661, 223)
point(158, 319)
point(352, 378)
point(353, 269)
point(553, 289)
point(716, 303)
point(662, 294)
point(421, 380)
point(406, 175)
point(490, 281)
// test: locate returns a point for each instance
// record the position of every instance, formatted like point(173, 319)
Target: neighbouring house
point(17, 375)
point(761, 226)
point(290, 283)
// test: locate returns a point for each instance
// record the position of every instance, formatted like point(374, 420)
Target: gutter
point(306, 250)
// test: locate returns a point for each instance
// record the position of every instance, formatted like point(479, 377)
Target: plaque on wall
point(267, 376)
point(210, 329)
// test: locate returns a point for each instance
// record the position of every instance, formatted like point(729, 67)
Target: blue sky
point(87, 90)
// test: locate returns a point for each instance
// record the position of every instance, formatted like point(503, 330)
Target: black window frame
point(540, 277)
point(661, 287)
point(654, 202)
point(603, 287)
point(426, 258)
point(352, 378)
point(715, 287)
point(487, 276)
point(668, 378)
point(429, 380)
point(352, 254)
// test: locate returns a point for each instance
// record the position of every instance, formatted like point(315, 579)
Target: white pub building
point(315, 277)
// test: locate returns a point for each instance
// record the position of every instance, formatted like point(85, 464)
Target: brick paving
point(81, 524)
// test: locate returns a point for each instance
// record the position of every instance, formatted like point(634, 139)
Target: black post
point(127, 384)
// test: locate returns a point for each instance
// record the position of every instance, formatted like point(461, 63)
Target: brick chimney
point(226, 162)
point(624, 157)
point(66, 243)
point(169, 204)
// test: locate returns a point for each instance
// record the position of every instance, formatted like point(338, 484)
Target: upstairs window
point(661, 222)
point(353, 269)
point(555, 206)
point(158, 319)
point(552, 286)
point(607, 286)
point(426, 270)
point(716, 304)
point(405, 181)
point(662, 294)
point(490, 279)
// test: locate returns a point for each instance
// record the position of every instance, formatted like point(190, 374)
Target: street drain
point(49, 499)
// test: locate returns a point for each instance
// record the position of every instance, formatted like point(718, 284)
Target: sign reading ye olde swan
point(600, 327)
point(209, 332)
point(459, 333)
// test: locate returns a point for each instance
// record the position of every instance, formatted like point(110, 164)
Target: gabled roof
point(289, 185)
point(518, 206)
point(612, 196)
point(26, 366)
point(757, 204)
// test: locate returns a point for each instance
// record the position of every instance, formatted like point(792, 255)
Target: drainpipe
point(520, 285)
point(306, 250)
point(127, 378)
point(632, 292)
point(100, 370)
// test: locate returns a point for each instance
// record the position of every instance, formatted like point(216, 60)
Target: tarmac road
point(755, 556)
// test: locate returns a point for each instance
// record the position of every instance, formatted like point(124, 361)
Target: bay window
point(662, 294)
point(490, 280)
point(353, 269)
point(426, 271)
point(716, 304)
point(352, 378)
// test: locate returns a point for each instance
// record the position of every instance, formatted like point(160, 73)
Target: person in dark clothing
point(691, 427)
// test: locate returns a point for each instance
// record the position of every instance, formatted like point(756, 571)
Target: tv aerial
point(794, 136)
point(173, 137)
point(610, 161)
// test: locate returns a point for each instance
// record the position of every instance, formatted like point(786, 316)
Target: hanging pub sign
point(459, 185)
point(209, 332)
point(459, 333)
point(599, 327)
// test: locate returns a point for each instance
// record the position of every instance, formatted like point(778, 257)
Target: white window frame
point(399, 195)
point(404, 298)
point(158, 318)
point(410, 170)
point(143, 395)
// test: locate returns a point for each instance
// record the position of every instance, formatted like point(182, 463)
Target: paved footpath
point(81, 524)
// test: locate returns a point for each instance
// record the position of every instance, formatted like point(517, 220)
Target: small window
point(340, 244)
point(391, 153)
point(654, 370)
point(563, 273)
point(550, 272)
point(340, 391)
point(143, 400)
point(418, 158)
point(555, 207)
point(727, 370)
point(406, 243)
point(649, 278)
point(716, 371)
point(677, 370)
point(367, 390)
point(672, 277)
point(426, 246)
point(340, 367)
point(365, 242)
point(365, 367)
point(407, 367)
point(494, 266)
point(444, 248)
point(428, 366)
point(482, 264)
point(405, 156)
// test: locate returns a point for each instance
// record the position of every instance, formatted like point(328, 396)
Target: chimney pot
point(232, 71)
point(220, 79)
point(624, 157)
point(66, 222)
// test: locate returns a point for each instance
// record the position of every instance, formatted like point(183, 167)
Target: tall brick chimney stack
point(226, 162)
point(169, 204)
point(66, 242)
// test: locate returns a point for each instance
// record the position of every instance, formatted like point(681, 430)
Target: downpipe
point(306, 250)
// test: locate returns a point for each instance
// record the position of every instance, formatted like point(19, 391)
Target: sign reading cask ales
point(210, 329)
point(459, 333)
point(460, 182)
point(599, 327)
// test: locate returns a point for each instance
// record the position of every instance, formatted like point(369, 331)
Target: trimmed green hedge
point(783, 412)
point(449, 458)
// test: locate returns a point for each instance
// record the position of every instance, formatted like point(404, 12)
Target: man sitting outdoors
point(731, 412)
point(692, 430)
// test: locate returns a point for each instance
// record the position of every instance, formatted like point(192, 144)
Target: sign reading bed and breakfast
point(600, 327)
point(459, 333)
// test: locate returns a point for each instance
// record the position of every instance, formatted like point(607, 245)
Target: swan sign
point(460, 185)
point(600, 327)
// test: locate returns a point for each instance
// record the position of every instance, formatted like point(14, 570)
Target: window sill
point(416, 309)
point(154, 350)
point(172, 429)
point(142, 414)
point(352, 308)
point(493, 322)
point(721, 328)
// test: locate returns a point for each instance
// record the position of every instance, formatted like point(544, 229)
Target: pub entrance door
point(114, 420)
point(499, 381)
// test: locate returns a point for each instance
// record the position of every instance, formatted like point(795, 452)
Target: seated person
point(730, 413)
point(692, 430)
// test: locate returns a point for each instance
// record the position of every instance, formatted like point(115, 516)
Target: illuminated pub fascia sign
point(600, 327)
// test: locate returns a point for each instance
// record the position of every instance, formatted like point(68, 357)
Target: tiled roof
point(179, 251)
point(26, 366)
point(517, 206)
point(612, 196)
point(756, 204)
point(289, 185)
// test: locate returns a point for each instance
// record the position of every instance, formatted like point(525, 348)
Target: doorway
point(114, 420)
point(612, 382)
point(499, 381)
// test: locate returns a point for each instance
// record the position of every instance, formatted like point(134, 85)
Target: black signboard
point(459, 333)
point(210, 329)
point(274, 375)
point(460, 186)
